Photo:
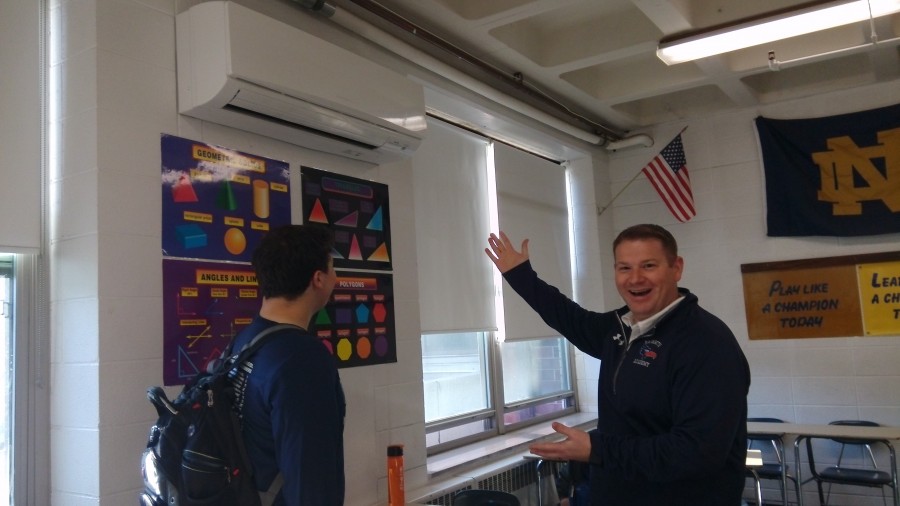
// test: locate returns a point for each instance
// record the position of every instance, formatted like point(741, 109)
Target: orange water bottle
point(396, 494)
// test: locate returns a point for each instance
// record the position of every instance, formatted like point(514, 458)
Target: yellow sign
point(879, 291)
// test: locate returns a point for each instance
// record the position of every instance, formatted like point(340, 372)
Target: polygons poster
point(358, 213)
point(357, 325)
point(218, 202)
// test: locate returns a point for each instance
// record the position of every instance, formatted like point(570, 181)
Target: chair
point(484, 498)
point(773, 470)
point(867, 477)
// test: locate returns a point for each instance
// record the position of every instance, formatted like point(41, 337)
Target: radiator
point(520, 480)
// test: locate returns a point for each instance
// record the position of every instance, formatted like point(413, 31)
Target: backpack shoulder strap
point(259, 339)
point(229, 358)
point(267, 498)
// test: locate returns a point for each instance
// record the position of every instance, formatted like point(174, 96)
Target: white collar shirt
point(640, 328)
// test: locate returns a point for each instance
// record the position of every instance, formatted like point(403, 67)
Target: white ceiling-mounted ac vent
point(239, 68)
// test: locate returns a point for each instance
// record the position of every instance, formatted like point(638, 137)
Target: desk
point(754, 460)
point(804, 431)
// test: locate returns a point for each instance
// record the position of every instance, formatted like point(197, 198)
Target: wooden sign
point(827, 297)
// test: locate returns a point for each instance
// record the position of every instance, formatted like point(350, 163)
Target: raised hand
point(503, 254)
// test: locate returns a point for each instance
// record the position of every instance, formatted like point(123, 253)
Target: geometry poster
point(204, 305)
point(216, 202)
point(356, 210)
point(357, 325)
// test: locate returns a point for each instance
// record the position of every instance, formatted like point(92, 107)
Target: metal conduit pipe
point(320, 7)
point(395, 45)
point(635, 140)
point(356, 25)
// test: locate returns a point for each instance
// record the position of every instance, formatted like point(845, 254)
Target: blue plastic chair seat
point(769, 471)
point(477, 497)
point(864, 477)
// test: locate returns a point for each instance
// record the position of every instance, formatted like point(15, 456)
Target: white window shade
point(456, 291)
point(20, 126)
point(532, 204)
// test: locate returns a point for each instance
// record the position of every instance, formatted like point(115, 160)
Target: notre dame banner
point(833, 176)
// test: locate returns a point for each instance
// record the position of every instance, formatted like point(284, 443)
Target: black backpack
point(195, 453)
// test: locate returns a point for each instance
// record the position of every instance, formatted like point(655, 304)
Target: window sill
point(511, 445)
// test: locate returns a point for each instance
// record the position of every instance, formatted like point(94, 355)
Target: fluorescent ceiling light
point(768, 29)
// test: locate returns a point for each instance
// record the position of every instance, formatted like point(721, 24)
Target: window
point(536, 379)
point(484, 374)
point(6, 305)
point(24, 410)
point(457, 386)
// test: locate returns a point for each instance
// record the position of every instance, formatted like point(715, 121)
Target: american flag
point(668, 173)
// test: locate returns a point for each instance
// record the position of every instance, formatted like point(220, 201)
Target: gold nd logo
point(844, 158)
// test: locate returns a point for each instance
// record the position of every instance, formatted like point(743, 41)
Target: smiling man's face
point(646, 279)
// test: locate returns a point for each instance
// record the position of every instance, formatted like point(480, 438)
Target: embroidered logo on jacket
point(648, 352)
point(619, 339)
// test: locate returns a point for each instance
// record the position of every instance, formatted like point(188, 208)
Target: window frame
point(495, 414)
point(29, 449)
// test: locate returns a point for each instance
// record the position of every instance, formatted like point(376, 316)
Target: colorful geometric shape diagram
point(376, 223)
point(322, 318)
point(344, 349)
point(186, 367)
point(362, 313)
point(379, 312)
point(349, 221)
point(317, 214)
point(191, 236)
point(225, 199)
point(363, 348)
point(235, 241)
point(355, 253)
point(343, 315)
point(380, 254)
point(183, 191)
point(381, 346)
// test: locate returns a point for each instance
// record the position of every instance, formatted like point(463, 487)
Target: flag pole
point(604, 208)
point(601, 210)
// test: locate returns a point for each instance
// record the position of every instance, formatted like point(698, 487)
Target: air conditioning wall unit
point(239, 68)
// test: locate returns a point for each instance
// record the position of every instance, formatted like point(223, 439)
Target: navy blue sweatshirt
point(672, 422)
point(292, 410)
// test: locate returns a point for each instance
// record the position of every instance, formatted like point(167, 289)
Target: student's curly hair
point(288, 256)
point(650, 231)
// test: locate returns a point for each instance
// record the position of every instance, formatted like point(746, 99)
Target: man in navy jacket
point(672, 422)
point(289, 394)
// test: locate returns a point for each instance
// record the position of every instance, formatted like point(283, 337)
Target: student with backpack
point(288, 395)
point(264, 425)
